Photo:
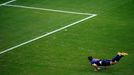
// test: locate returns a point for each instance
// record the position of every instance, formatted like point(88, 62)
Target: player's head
point(90, 58)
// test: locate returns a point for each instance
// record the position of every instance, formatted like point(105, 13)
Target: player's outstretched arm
point(96, 67)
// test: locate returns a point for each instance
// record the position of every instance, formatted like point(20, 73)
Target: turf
point(66, 52)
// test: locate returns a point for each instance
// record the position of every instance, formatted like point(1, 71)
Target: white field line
point(7, 2)
point(52, 32)
point(61, 11)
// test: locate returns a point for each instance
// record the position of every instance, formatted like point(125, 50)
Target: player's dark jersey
point(96, 61)
point(100, 62)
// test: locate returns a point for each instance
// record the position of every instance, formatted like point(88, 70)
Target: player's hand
point(98, 68)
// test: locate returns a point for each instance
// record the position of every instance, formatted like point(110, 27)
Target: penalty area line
point(7, 2)
point(47, 34)
point(53, 10)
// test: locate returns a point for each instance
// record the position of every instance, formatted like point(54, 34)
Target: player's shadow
point(102, 69)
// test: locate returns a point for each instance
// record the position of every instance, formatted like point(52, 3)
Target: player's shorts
point(105, 62)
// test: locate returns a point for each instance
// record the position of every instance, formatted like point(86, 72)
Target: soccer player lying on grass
point(96, 63)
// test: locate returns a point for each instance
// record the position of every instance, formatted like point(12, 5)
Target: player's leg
point(119, 56)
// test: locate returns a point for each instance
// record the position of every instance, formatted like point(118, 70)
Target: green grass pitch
point(65, 52)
